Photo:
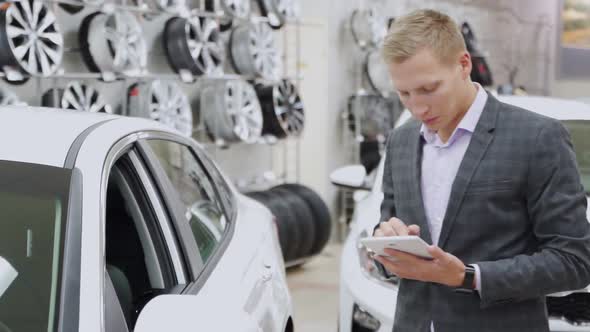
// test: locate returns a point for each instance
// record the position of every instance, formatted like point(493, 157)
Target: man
point(495, 189)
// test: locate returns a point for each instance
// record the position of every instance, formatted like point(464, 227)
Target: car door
point(143, 256)
point(275, 305)
point(211, 210)
point(103, 305)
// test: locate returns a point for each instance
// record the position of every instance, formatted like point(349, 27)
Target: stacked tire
point(481, 72)
point(303, 219)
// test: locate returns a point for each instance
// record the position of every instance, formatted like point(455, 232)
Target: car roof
point(560, 109)
point(42, 135)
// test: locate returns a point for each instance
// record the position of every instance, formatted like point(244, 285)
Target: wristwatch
point(468, 286)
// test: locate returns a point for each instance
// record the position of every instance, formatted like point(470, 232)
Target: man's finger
point(414, 230)
point(393, 267)
point(402, 256)
point(387, 229)
point(400, 228)
point(386, 262)
point(378, 232)
point(437, 253)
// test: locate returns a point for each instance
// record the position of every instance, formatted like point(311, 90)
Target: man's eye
point(429, 89)
point(404, 94)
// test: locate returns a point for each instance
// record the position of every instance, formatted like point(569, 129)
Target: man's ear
point(465, 63)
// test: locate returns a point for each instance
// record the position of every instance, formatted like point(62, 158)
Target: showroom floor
point(314, 288)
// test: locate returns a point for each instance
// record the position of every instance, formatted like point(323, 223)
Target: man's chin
point(434, 128)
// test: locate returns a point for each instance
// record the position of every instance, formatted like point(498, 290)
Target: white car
point(367, 300)
point(119, 224)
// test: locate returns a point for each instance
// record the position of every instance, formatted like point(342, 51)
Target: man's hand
point(396, 227)
point(444, 269)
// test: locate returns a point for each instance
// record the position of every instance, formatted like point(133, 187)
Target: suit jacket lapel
point(478, 145)
point(415, 166)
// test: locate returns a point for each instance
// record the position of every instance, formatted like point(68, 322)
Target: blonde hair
point(424, 28)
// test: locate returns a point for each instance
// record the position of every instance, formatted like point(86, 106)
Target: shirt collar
point(468, 123)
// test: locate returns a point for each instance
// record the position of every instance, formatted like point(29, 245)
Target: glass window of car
point(33, 212)
point(580, 133)
point(138, 260)
point(203, 209)
point(225, 192)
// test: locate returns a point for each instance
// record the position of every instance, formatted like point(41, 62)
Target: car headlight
point(368, 266)
point(363, 320)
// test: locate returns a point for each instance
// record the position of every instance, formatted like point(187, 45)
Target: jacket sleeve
point(556, 205)
point(388, 204)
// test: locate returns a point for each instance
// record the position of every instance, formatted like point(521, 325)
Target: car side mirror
point(184, 313)
point(7, 275)
point(351, 177)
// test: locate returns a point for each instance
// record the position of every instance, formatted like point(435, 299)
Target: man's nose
point(419, 111)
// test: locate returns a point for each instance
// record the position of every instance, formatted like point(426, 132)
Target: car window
point(138, 261)
point(203, 209)
point(580, 133)
point(225, 192)
point(33, 209)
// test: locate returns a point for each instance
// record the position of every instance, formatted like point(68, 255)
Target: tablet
point(410, 244)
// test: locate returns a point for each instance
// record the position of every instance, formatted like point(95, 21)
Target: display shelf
point(144, 8)
point(121, 76)
point(290, 31)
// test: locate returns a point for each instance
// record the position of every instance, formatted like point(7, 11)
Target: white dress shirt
point(440, 164)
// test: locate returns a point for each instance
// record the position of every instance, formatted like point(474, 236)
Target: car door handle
point(267, 273)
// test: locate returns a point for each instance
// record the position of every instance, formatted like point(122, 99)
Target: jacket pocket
point(491, 186)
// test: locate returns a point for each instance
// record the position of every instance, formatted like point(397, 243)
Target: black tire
point(366, 73)
point(18, 82)
point(356, 38)
point(264, 12)
point(288, 233)
point(370, 155)
point(71, 9)
point(271, 124)
point(177, 52)
point(229, 53)
point(83, 42)
point(210, 5)
point(223, 25)
point(481, 71)
point(303, 217)
point(377, 114)
point(167, 27)
point(320, 212)
point(48, 98)
point(288, 220)
point(469, 37)
point(6, 57)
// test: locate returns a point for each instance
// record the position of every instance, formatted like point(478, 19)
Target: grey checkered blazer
point(517, 208)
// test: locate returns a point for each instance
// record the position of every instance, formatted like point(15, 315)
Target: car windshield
point(580, 132)
point(33, 208)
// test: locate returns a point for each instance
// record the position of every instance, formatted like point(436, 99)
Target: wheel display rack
point(371, 109)
point(112, 44)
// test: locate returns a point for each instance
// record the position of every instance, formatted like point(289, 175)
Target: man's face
point(431, 90)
